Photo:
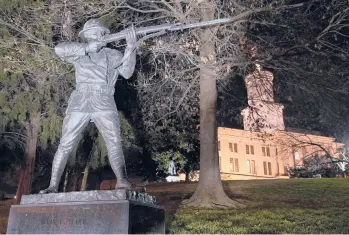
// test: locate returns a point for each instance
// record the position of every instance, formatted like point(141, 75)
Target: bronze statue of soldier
point(96, 70)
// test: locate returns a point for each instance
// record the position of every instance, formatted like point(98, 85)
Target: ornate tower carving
point(262, 113)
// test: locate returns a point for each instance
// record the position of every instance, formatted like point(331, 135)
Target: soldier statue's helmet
point(93, 24)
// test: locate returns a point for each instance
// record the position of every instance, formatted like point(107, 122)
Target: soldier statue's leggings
point(74, 123)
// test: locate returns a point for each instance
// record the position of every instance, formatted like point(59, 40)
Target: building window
point(235, 149)
point(231, 165)
point(296, 156)
point(253, 167)
point(265, 168)
point(236, 165)
point(249, 149)
point(219, 145)
point(266, 151)
point(276, 151)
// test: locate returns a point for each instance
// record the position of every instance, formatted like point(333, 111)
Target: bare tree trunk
point(25, 180)
point(209, 192)
point(187, 180)
point(65, 180)
point(72, 181)
point(84, 179)
point(98, 181)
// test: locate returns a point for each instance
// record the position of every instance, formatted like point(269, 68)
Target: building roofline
point(257, 135)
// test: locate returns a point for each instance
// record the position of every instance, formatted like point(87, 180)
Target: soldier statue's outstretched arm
point(70, 51)
point(127, 68)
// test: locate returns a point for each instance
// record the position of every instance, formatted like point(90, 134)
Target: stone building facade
point(254, 155)
point(265, 148)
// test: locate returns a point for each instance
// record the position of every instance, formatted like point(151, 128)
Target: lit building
point(265, 148)
point(249, 155)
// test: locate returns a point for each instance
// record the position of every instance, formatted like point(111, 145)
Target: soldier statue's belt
point(95, 88)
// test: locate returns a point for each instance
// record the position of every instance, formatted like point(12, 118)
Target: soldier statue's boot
point(123, 184)
point(121, 179)
point(49, 190)
point(58, 165)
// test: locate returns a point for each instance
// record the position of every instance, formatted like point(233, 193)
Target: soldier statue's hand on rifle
point(131, 37)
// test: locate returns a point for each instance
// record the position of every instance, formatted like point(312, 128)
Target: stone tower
point(262, 113)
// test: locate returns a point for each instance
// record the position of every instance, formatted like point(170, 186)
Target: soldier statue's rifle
point(153, 31)
point(164, 28)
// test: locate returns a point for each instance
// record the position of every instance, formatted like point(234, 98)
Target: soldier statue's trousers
point(74, 123)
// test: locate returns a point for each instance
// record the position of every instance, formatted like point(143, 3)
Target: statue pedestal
point(93, 214)
point(173, 178)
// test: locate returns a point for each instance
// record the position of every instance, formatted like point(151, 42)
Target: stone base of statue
point(97, 212)
point(173, 178)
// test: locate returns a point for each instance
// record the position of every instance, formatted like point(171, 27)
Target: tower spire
point(262, 113)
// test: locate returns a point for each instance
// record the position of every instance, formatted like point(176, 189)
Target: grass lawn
point(273, 206)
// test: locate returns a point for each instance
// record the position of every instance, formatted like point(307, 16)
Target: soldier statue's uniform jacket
point(95, 77)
